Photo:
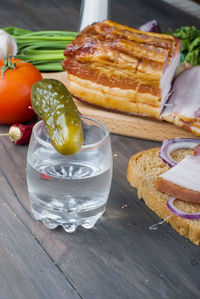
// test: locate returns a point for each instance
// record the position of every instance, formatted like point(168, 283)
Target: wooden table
point(120, 257)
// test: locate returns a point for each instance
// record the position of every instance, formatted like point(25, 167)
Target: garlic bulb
point(8, 45)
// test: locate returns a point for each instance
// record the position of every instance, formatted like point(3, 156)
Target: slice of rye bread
point(143, 169)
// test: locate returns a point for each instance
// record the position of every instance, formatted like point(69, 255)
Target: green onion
point(44, 49)
point(16, 31)
point(49, 66)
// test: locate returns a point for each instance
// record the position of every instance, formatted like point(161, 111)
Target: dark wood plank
point(75, 266)
point(120, 257)
point(25, 269)
point(65, 14)
point(137, 12)
point(41, 14)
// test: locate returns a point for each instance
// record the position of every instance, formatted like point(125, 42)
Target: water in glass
point(70, 190)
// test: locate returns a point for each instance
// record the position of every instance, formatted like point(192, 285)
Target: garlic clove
point(8, 45)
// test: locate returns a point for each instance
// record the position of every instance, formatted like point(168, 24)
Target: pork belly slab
point(122, 68)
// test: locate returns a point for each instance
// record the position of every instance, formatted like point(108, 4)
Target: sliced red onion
point(173, 144)
point(178, 212)
point(151, 26)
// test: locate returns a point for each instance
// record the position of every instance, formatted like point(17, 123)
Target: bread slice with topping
point(143, 170)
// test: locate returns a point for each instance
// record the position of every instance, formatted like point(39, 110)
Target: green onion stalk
point(44, 49)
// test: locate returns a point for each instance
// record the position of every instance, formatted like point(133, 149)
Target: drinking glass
point(70, 190)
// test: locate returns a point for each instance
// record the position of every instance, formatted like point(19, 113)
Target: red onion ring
point(151, 26)
point(178, 212)
point(173, 144)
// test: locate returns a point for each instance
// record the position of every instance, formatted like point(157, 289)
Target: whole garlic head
point(8, 45)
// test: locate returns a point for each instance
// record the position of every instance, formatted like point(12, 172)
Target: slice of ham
point(182, 180)
point(183, 106)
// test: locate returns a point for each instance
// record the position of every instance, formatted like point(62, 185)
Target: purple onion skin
point(151, 26)
point(180, 213)
point(165, 156)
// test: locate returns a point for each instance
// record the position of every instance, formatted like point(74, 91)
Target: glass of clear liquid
point(70, 190)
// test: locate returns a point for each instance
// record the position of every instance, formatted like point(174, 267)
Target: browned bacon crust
point(115, 56)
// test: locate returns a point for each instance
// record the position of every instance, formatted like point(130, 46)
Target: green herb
point(44, 49)
point(7, 64)
point(190, 43)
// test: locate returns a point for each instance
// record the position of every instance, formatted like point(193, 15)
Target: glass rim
point(84, 147)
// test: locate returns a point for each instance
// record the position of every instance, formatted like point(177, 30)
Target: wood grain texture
point(127, 125)
point(120, 257)
point(26, 271)
point(137, 12)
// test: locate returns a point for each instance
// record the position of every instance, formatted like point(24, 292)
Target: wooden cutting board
point(127, 125)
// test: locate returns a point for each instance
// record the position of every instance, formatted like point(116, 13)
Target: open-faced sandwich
point(168, 179)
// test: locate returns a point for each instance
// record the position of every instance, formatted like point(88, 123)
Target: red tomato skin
point(15, 92)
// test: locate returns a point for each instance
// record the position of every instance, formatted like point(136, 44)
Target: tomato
point(15, 92)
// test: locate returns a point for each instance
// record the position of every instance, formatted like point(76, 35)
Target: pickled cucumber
point(53, 103)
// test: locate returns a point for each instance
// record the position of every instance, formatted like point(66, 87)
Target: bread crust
point(143, 169)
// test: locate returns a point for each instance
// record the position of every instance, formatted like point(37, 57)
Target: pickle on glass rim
point(54, 104)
